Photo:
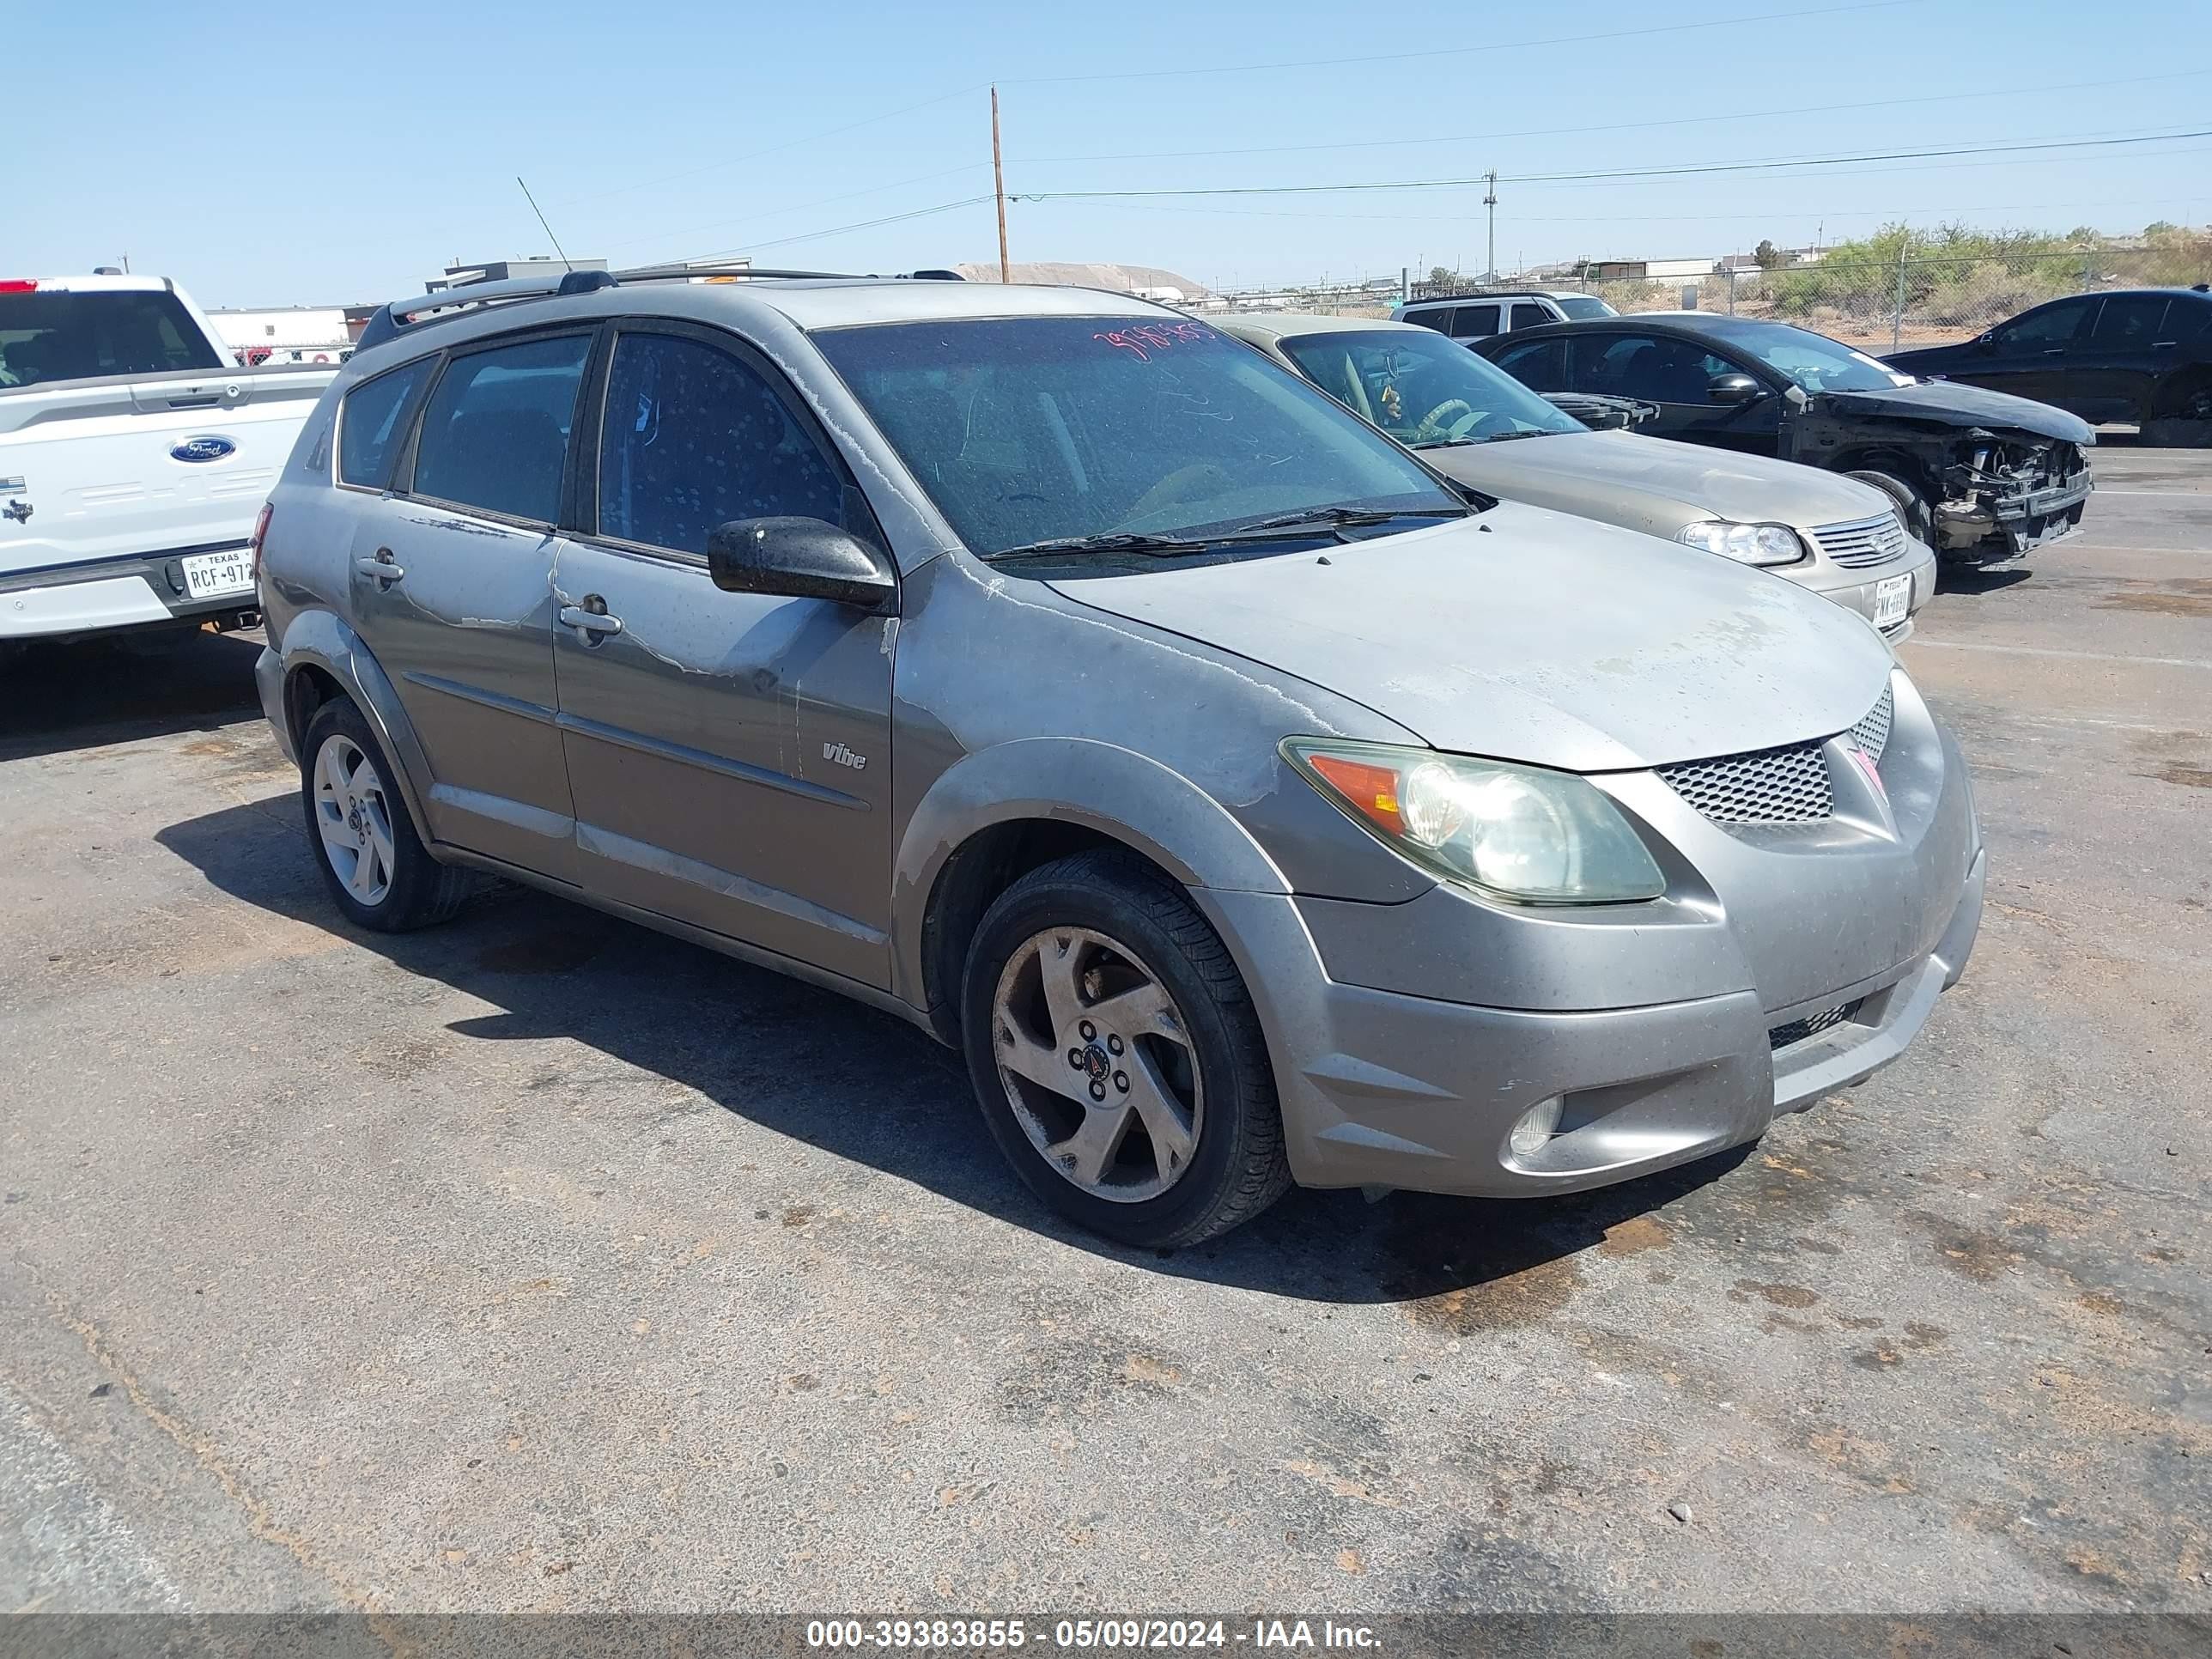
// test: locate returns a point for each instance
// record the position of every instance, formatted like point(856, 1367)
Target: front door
point(729, 753)
point(1677, 376)
point(452, 591)
point(2027, 357)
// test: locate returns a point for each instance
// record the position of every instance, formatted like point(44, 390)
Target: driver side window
point(694, 438)
point(2053, 325)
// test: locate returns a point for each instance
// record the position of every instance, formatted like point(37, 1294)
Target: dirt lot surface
point(540, 1261)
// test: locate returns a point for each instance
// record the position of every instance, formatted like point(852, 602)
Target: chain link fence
point(1911, 301)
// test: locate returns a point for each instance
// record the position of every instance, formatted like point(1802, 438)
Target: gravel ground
point(543, 1262)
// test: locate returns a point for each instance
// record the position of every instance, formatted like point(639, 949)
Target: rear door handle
point(381, 567)
point(590, 619)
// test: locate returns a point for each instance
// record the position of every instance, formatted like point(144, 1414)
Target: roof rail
point(444, 305)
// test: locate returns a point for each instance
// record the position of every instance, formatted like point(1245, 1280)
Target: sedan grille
point(1775, 785)
point(1864, 542)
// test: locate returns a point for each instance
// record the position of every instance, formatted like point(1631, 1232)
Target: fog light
point(1534, 1131)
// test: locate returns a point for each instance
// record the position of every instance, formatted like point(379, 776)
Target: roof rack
point(401, 315)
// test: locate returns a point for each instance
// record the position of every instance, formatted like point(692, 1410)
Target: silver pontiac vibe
point(1248, 804)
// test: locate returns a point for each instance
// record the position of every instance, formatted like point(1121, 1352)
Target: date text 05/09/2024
point(1088, 1634)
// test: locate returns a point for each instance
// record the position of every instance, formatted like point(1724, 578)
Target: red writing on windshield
point(1155, 337)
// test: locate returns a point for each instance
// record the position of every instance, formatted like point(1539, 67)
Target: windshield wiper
point(1324, 519)
point(1115, 541)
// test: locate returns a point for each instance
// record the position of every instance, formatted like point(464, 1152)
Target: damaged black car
point(1981, 476)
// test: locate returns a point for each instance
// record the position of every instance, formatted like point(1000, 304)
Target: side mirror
point(1734, 389)
point(1986, 344)
point(799, 559)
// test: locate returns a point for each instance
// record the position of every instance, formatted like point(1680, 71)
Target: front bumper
point(1860, 590)
point(1998, 526)
point(111, 593)
point(1386, 1090)
point(1409, 1040)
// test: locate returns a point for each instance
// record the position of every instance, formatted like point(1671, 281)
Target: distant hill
point(1122, 279)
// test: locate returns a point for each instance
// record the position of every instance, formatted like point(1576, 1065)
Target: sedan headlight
point(1747, 543)
point(1515, 831)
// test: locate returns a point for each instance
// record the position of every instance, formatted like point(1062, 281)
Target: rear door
point(1675, 375)
point(2108, 370)
point(451, 584)
point(730, 753)
point(1475, 322)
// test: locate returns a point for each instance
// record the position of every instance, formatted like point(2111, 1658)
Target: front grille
point(1775, 785)
point(1864, 542)
point(1871, 735)
point(1781, 1037)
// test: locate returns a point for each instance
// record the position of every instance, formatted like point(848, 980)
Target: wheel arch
point(1001, 813)
point(2172, 396)
point(323, 658)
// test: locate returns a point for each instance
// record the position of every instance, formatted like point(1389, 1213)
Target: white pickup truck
point(134, 457)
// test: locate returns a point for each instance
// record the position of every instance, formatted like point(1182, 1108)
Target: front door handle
point(590, 619)
point(381, 567)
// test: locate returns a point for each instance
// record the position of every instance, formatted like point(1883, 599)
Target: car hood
point(1665, 484)
point(1525, 634)
point(1950, 404)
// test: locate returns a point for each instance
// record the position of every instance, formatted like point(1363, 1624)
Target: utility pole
point(999, 177)
point(1490, 201)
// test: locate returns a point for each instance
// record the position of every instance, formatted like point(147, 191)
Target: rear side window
point(370, 421)
point(1475, 323)
point(54, 336)
point(1438, 318)
point(496, 432)
point(1540, 363)
point(695, 438)
point(2133, 321)
point(1528, 315)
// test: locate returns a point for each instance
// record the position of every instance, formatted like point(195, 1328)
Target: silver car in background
point(1057, 673)
point(1838, 536)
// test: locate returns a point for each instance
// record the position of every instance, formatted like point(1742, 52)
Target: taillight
point(253, 546)
point(17, 285)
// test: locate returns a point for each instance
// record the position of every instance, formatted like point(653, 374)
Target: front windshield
point(1039, 428)
point(1814, 361)
point(1580, 306)
point(1422, 388)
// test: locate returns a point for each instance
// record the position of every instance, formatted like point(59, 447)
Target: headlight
point(1747, 543)
point(1516, 831)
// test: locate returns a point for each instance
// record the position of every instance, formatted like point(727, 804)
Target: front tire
point(364, 842)
point(1117, 1057)
point(1912, 508)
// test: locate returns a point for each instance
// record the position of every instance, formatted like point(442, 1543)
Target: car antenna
point(540, 212)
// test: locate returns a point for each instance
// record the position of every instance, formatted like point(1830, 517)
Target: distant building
point(1645, 271)
point(287, 334)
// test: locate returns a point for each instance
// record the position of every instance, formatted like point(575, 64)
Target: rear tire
point(1117, 1057)
point(359, 832)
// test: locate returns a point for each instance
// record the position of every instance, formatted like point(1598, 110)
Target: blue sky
point(286, 154)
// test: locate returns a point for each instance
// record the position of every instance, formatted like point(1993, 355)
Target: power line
point(1703, 167)
point(801, 207)
point(839, 230)
point(1449, 52)
point(1585, 129)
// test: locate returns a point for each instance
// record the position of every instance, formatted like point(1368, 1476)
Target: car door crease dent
point(590, 838)
point(699, 757)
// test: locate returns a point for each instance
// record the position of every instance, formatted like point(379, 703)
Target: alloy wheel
point(1097, 1064)
point(354, 819)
